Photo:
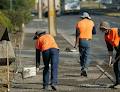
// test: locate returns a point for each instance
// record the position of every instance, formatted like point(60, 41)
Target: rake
point(94, 85)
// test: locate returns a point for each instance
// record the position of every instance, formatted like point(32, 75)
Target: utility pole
point(62, 6)
point(51, 17)
point(11, 5)
point(40, 9)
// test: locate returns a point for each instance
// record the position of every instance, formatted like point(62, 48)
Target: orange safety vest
point(112, 37)
point(46, 42)
point(85, 27)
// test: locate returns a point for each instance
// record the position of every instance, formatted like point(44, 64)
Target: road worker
point(112, 39)
point(85, 28)
point(46, 44)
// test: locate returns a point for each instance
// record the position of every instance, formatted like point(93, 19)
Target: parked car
point(72, 6)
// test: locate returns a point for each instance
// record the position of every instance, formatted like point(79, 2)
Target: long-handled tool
point(106, 69)
point(105, 73)
point(94, 85)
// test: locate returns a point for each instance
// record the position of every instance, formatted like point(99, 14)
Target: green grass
point(99, 8)
point(90, 5)
point(113, 14)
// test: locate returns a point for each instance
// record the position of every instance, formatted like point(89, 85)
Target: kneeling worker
point(46, 44)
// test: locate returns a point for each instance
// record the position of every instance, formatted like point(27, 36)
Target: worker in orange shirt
point(85, 28)
point(46, 44)
point(112, 39)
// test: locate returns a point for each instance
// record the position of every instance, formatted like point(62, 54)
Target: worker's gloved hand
point(111, 61)
point(110, 54)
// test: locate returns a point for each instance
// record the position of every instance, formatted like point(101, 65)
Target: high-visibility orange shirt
point(112, 37)
point(46, 42)
point(85, 27)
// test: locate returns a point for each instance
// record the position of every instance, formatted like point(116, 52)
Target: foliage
point(5, 22)
point(19, 13)
point(17, 4)
point(4, 4)
point(23, 4)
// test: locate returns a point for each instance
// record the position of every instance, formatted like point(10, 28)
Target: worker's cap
point(104, 25)
point(85, 15)
point(38, 33)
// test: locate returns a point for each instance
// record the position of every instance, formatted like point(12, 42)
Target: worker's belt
point(84, 39)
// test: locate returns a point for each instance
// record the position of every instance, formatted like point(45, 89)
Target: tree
point(4, 4)
point(20, 12)
point(5, 22)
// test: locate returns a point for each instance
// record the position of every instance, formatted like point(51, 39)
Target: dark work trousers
point(116, 66)
point(38, 55)
point(84, 50)
point(50, 56)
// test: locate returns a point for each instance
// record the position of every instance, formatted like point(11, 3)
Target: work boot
point(83, 73)
point(112, 86)
point(45, 87)
point(5, 85)
point(53, 87)
point(116, 86)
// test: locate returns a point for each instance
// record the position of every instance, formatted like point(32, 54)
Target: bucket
point(28, 71)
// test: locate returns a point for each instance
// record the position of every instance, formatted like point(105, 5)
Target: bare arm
point(94, 30)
